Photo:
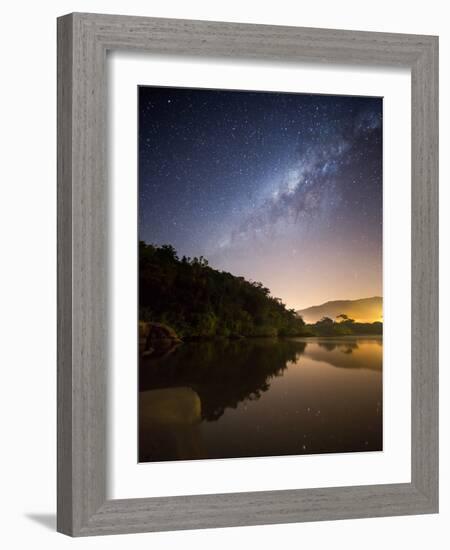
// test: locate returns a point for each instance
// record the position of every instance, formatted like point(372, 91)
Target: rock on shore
point(156, 337)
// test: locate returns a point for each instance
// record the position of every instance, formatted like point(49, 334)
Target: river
point(261, 397)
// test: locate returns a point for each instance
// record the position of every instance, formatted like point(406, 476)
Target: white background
point(127, 479)
point(28, 303)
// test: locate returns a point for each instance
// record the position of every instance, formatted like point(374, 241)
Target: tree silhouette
point(342, 317)
point(200, 302)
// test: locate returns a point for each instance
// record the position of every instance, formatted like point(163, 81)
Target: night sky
point(280, 188)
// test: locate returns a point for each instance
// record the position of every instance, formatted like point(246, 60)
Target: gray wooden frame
point(83, 40)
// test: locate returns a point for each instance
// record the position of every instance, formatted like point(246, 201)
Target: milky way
point(281, 188)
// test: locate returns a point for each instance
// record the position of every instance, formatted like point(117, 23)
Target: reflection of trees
point(345, 347)
point(349, 354)
point(222, 372)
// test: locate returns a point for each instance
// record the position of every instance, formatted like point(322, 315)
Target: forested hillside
point(199, 301)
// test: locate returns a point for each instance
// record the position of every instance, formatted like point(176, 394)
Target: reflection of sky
point(328, 401)
point(281, 188)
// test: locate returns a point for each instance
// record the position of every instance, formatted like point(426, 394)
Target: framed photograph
point(247, 274)
point(238, 187)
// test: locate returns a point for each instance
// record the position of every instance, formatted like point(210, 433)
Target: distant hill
point(365, 310)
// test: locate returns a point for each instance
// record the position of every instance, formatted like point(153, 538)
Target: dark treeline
point(198, 301)
point(344, 326)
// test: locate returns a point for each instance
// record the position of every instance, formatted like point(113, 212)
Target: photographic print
point(260, 274)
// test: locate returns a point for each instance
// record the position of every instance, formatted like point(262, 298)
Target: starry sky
point(281, 188)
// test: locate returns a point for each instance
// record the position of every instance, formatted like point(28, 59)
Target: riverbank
point(157, 339)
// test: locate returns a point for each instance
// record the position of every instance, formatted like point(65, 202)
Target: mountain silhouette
point(364, 310)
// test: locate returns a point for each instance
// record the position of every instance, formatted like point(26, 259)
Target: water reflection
point(223, 373)
point(261, 397)
point(350, 353)
point(170, 417)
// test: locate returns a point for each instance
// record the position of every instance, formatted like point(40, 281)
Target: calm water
point(261, 397)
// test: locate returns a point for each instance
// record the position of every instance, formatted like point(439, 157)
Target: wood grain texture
point(424, 280)
point(83, 40)
point(64, 300)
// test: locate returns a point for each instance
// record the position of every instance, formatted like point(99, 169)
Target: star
point(264, 174)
